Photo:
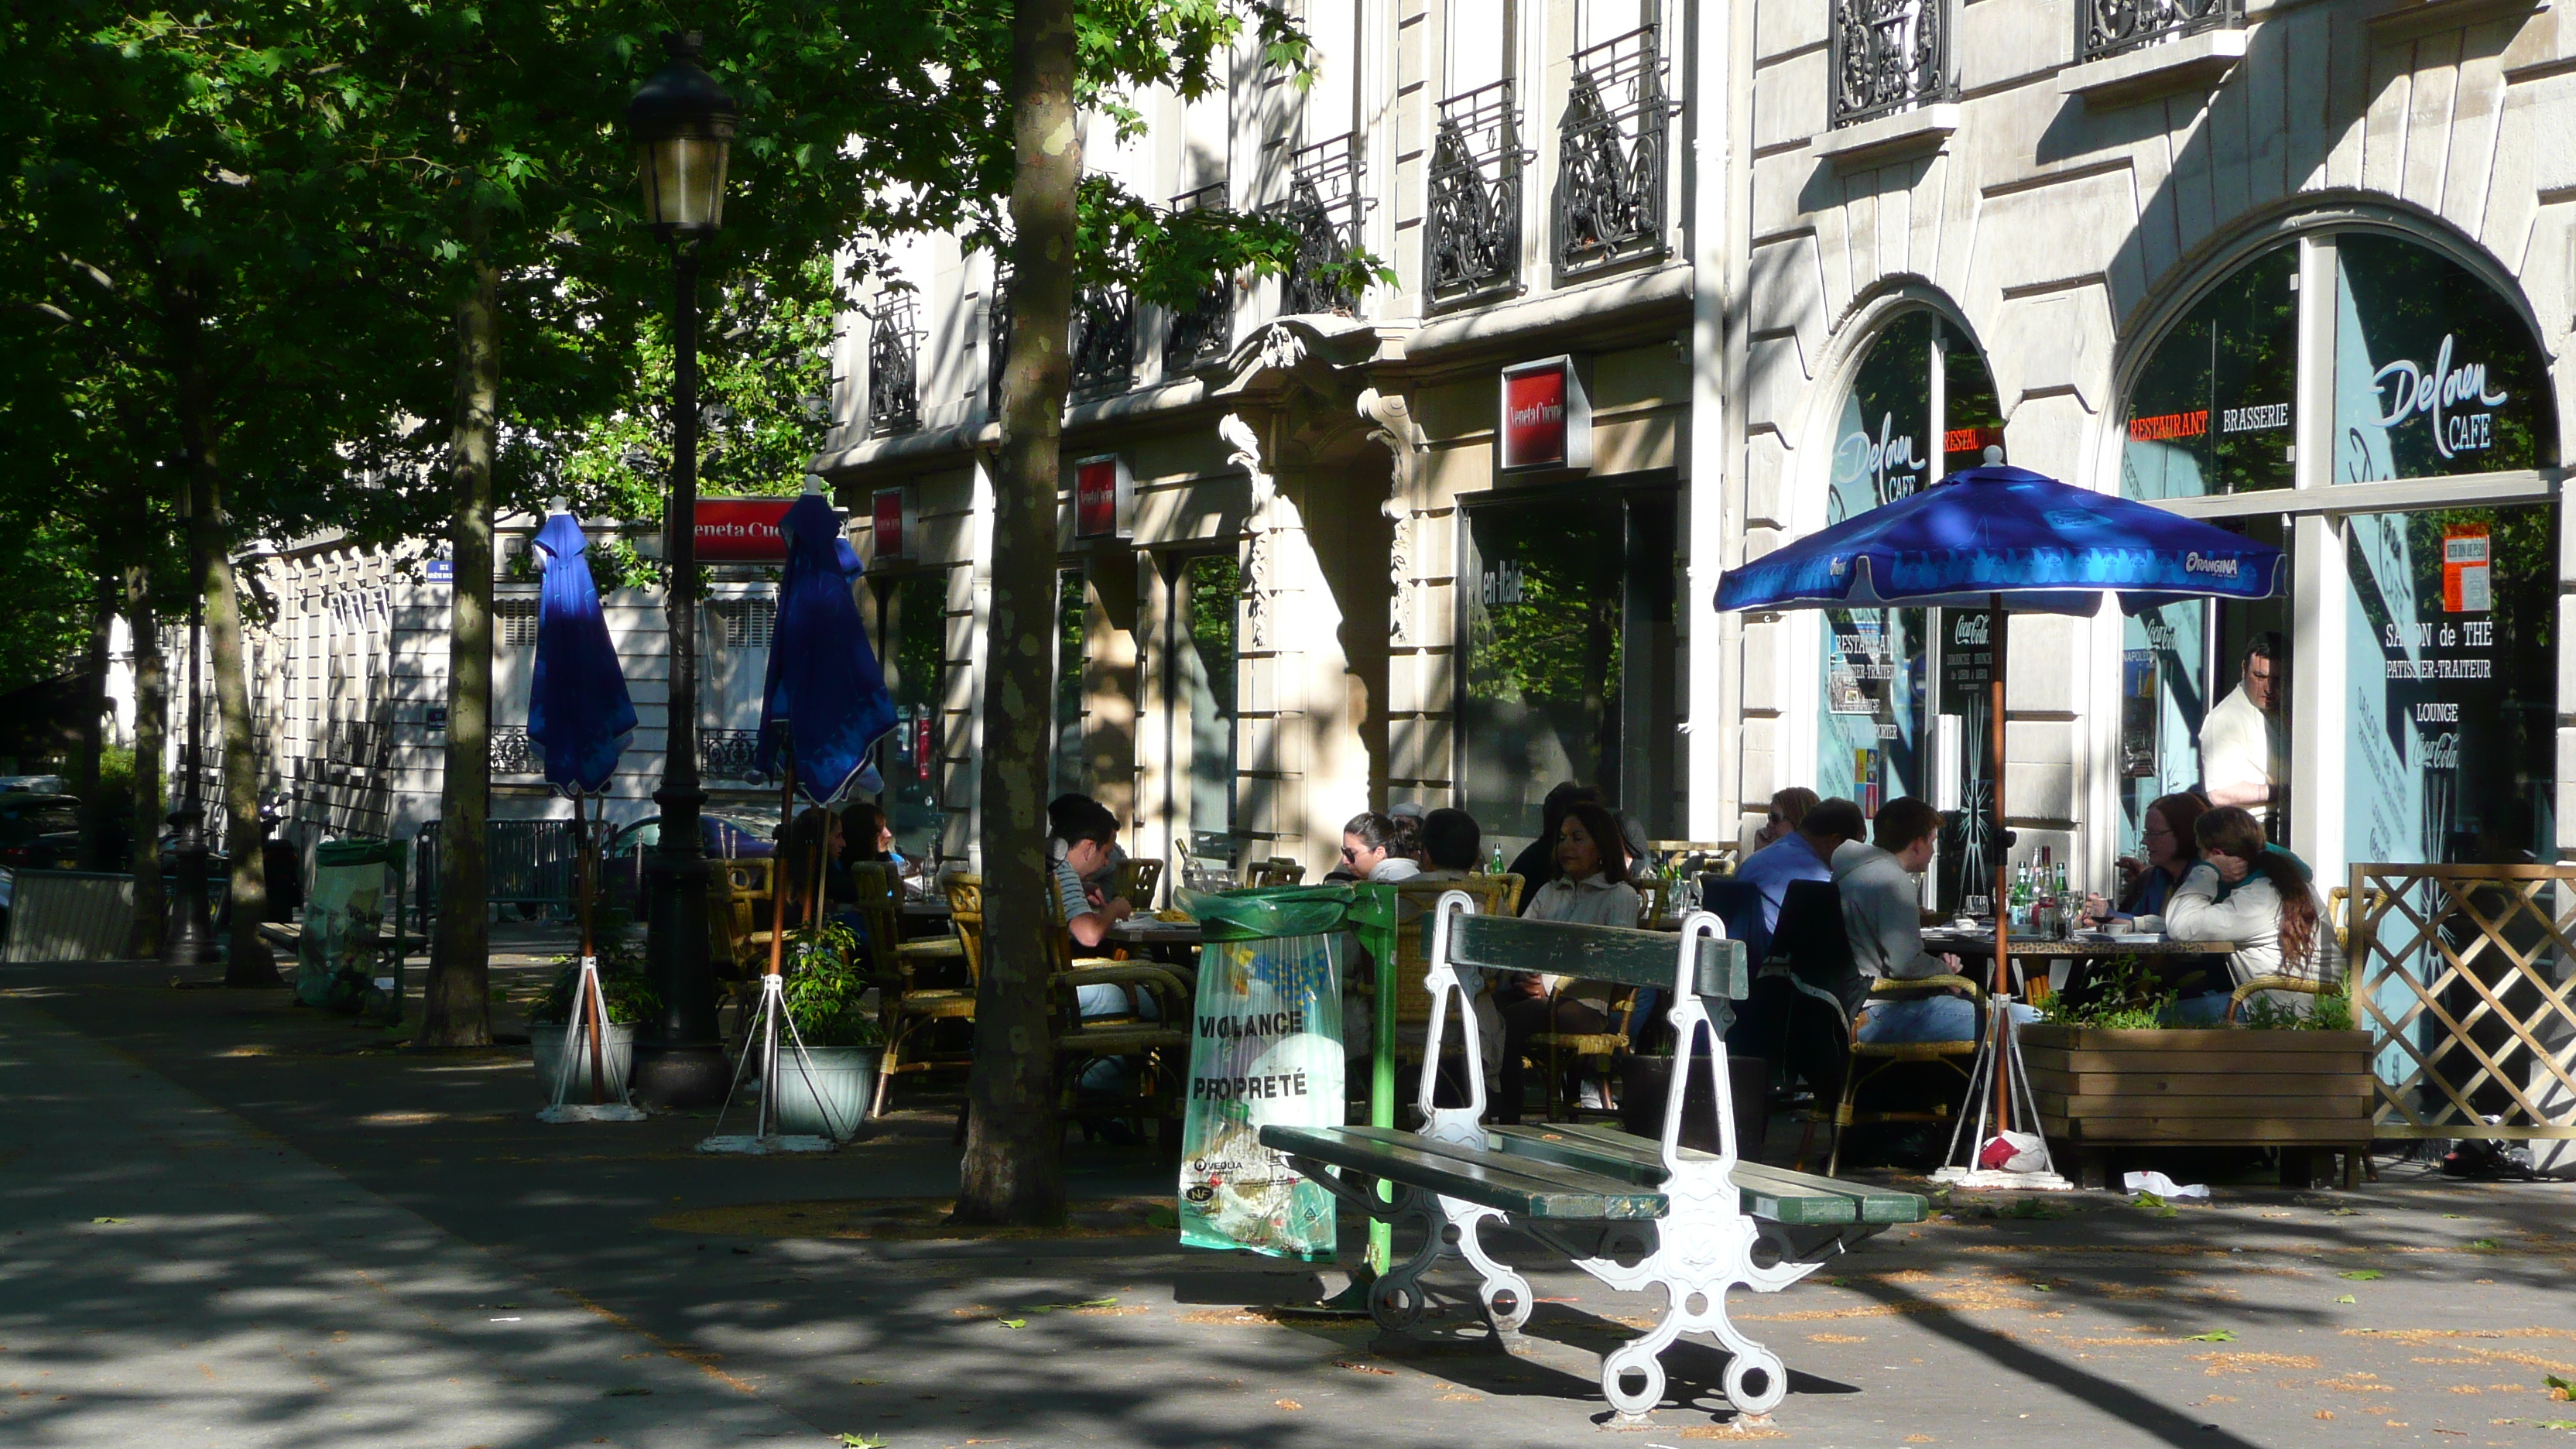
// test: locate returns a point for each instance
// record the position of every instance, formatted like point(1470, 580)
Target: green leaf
point(863, 1441)
point(2362, 1275)
point(2347, 1298)
point(2554, 1423)
point(2215, 1335)
point(2566, 1390)
point(107, 1220)
point(1013, 1322)
point(2343, 1212)
point(2484, 1245)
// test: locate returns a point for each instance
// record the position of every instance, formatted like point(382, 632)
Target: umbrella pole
point(770, 989)
point(2003, 874)
point(592, 1003)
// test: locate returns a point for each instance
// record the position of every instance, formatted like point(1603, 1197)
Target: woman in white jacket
point(2257, 897)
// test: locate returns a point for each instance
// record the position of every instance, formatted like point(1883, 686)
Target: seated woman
point(2170, 848)
point(1381, 848)
point(2247, 892)
point(1591, 887)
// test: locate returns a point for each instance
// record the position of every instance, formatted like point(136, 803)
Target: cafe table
point(2060, 955)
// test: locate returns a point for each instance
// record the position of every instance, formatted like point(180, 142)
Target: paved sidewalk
point(286, 1179)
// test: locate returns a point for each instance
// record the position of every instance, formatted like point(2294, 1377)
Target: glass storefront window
point(2435, 374)
point(1203, 665)
point(2451, 679)
point(2211, 411)
point(912, 615)
point(1569, 667)
point(1071, 622)
point(1920, 380)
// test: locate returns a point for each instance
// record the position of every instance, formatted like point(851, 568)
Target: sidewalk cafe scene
point(1212, 724)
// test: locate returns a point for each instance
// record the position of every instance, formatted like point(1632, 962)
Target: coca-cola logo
point(1970, 629)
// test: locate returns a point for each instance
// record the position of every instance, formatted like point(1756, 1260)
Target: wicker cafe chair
point(1511, 905)
point(1494, 895)
point(915, 1008)
point(735, 891)
point(1278, 870)
point(1139, 877)
point(1592, 1050)
point(1868, 1059)
point(1161, 1047)
point(1653, 892)
point(1695, 857)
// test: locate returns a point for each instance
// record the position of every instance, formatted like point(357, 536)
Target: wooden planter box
point(2294, 1090)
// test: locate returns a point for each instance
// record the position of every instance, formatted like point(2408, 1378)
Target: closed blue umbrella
point(579, 712)
point(824, 686)
point(581, 716)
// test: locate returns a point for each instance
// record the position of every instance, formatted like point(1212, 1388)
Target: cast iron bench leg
point(1506, 1294)
point(1395, 1299)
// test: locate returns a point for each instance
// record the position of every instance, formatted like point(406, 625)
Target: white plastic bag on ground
point(2163, 1186)
point(2013, 1152)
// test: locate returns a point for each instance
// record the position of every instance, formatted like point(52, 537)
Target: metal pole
point(685, 1066)
point(594, 1003)
point(2003, 876)
point(191, 941)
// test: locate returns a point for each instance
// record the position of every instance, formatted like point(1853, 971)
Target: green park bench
point(1632, 1212)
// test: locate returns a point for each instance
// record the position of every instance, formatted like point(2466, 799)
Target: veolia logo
point(2196, 563)
point(1887, 461)
point(2407, 388)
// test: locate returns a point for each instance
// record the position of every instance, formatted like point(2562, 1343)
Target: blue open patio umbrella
point(824, 691)
point(2007, 539)
point(2004, 538)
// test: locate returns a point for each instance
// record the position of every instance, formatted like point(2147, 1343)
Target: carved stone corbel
point(1391, 426)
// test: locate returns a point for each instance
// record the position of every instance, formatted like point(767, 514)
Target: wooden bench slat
point(1487, 1179)
point(1774, 1194)
point(1595, 953)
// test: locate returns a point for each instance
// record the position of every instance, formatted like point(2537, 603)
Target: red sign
point(1547, 420)
point(2465, 586)
point(742, 530)
point(2169, 425)
point(1095, 498)
point(885, 514)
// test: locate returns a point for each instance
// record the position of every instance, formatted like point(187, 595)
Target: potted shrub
point(2113, 1074)
point(630, 998)
point(826, 983)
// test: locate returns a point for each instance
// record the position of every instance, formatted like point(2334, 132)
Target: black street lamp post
point(682, 123)
point(190, 940)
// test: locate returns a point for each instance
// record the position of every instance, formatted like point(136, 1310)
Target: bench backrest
point(1595, 953)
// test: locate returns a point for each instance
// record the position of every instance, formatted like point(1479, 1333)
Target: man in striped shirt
point(1079, 845)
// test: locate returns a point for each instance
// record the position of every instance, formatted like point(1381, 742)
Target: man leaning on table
point(1883, 917)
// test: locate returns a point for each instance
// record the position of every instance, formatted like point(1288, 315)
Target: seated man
point(1804, 853)
point(1882, 915)
point(1080, 839)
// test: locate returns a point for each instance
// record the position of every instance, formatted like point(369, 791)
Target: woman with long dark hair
point(2246, 891)
point(1591, 887)
point(2169, 848)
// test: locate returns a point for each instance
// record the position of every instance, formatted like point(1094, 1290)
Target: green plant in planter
point(629, 994)
point(2132, 998)
point(2328, 1011)
point(826, 987)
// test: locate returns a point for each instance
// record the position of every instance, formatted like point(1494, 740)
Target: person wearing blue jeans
point(1883, 918)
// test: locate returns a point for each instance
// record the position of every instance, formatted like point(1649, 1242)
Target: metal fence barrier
point(528, 863)
point(2467, 976)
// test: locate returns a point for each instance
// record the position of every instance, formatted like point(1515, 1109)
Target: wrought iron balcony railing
point(894, 393)
point(1207, 329)
point(1889, 56)
point(727, 754)
point(2111, 27)
point(1471, 240)
point(1324, 205)
point(1103, 345)
point(513, 753)
point(1613, 144)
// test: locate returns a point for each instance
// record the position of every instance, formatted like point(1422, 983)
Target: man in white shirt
point(2240, 740)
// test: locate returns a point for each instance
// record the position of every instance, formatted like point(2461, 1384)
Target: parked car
point(39, 831)
point(725, 837)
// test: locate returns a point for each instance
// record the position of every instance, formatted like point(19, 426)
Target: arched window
point(1921, 404)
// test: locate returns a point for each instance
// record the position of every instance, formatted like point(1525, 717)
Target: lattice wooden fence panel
point(2466, 974)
